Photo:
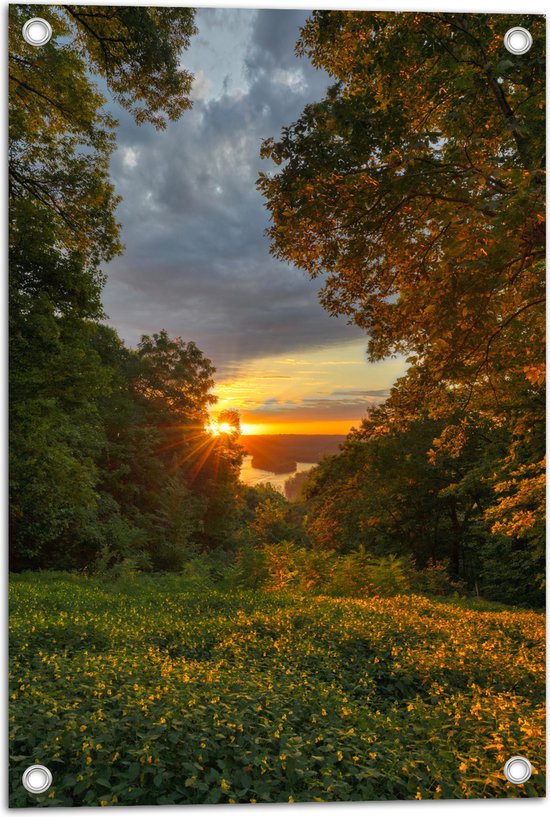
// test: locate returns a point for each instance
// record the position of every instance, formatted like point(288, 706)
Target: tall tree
point(416, 187)
point(417, 184)
point(62, 228)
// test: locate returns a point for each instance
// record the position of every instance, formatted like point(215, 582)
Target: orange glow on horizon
point(252, 428)
point(322, 390)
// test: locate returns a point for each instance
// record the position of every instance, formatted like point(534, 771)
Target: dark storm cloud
point(196, 259)
point(275, 35)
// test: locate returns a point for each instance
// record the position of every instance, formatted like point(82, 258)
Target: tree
point(172, 481)
point(385, 493)
point(174, 377)
point(60, 135)
point(388, 492)
point(416, 187)
point(56, 438)
point(62, 227)
point(157, 444)
point(216, 477)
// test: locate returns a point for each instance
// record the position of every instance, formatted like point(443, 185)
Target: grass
point(147, 692)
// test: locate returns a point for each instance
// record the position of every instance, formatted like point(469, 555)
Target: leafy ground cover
point(151, 693)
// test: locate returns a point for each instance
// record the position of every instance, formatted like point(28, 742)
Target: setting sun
point(215, 429)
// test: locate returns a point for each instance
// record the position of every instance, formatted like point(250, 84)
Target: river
point(256, 476)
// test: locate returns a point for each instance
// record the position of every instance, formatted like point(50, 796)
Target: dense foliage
point(390, 492)
point(156, 693)
point(416, 189)
point(109, 453)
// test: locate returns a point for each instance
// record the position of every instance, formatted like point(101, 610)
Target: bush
point(250, 569)
point(316, 568)
point(197, 573)
point(284, 562)
point(359, 575)
point(284, 565)
point(350, 576)
point(434, 580)
point(389, 575)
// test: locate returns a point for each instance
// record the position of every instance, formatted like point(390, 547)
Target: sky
point(197, 259)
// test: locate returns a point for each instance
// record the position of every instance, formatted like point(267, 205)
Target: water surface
point(257, 476)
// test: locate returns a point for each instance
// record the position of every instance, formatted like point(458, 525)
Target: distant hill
point(280, 452)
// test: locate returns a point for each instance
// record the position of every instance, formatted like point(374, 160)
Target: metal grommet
point(518, 40)
point(37, 779)
point(37, 31)
point(518, 770)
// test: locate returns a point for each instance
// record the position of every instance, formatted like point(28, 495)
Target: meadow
point(152, 691)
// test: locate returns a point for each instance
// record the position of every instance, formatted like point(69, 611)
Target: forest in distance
point(377, 631)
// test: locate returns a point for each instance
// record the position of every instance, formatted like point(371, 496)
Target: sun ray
point(182, 440)
point(207, 443)
point(199, 464)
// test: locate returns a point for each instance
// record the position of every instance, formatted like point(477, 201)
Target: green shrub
point(350, 576)
point(250, 569)
point(315, 570)
point(197, 573)
point(359, 575)
point(389, 575)
point(284, 564)
point(434, 580)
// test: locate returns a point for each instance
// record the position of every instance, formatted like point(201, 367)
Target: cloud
point(309, 410)
point(130, 157)
point(375, 393)
point(202, 86)
point(197, 261)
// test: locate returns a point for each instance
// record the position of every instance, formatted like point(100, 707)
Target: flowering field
point(148, 693)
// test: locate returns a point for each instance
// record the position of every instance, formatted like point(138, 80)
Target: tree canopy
point(415, 189)
point(61, 134)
